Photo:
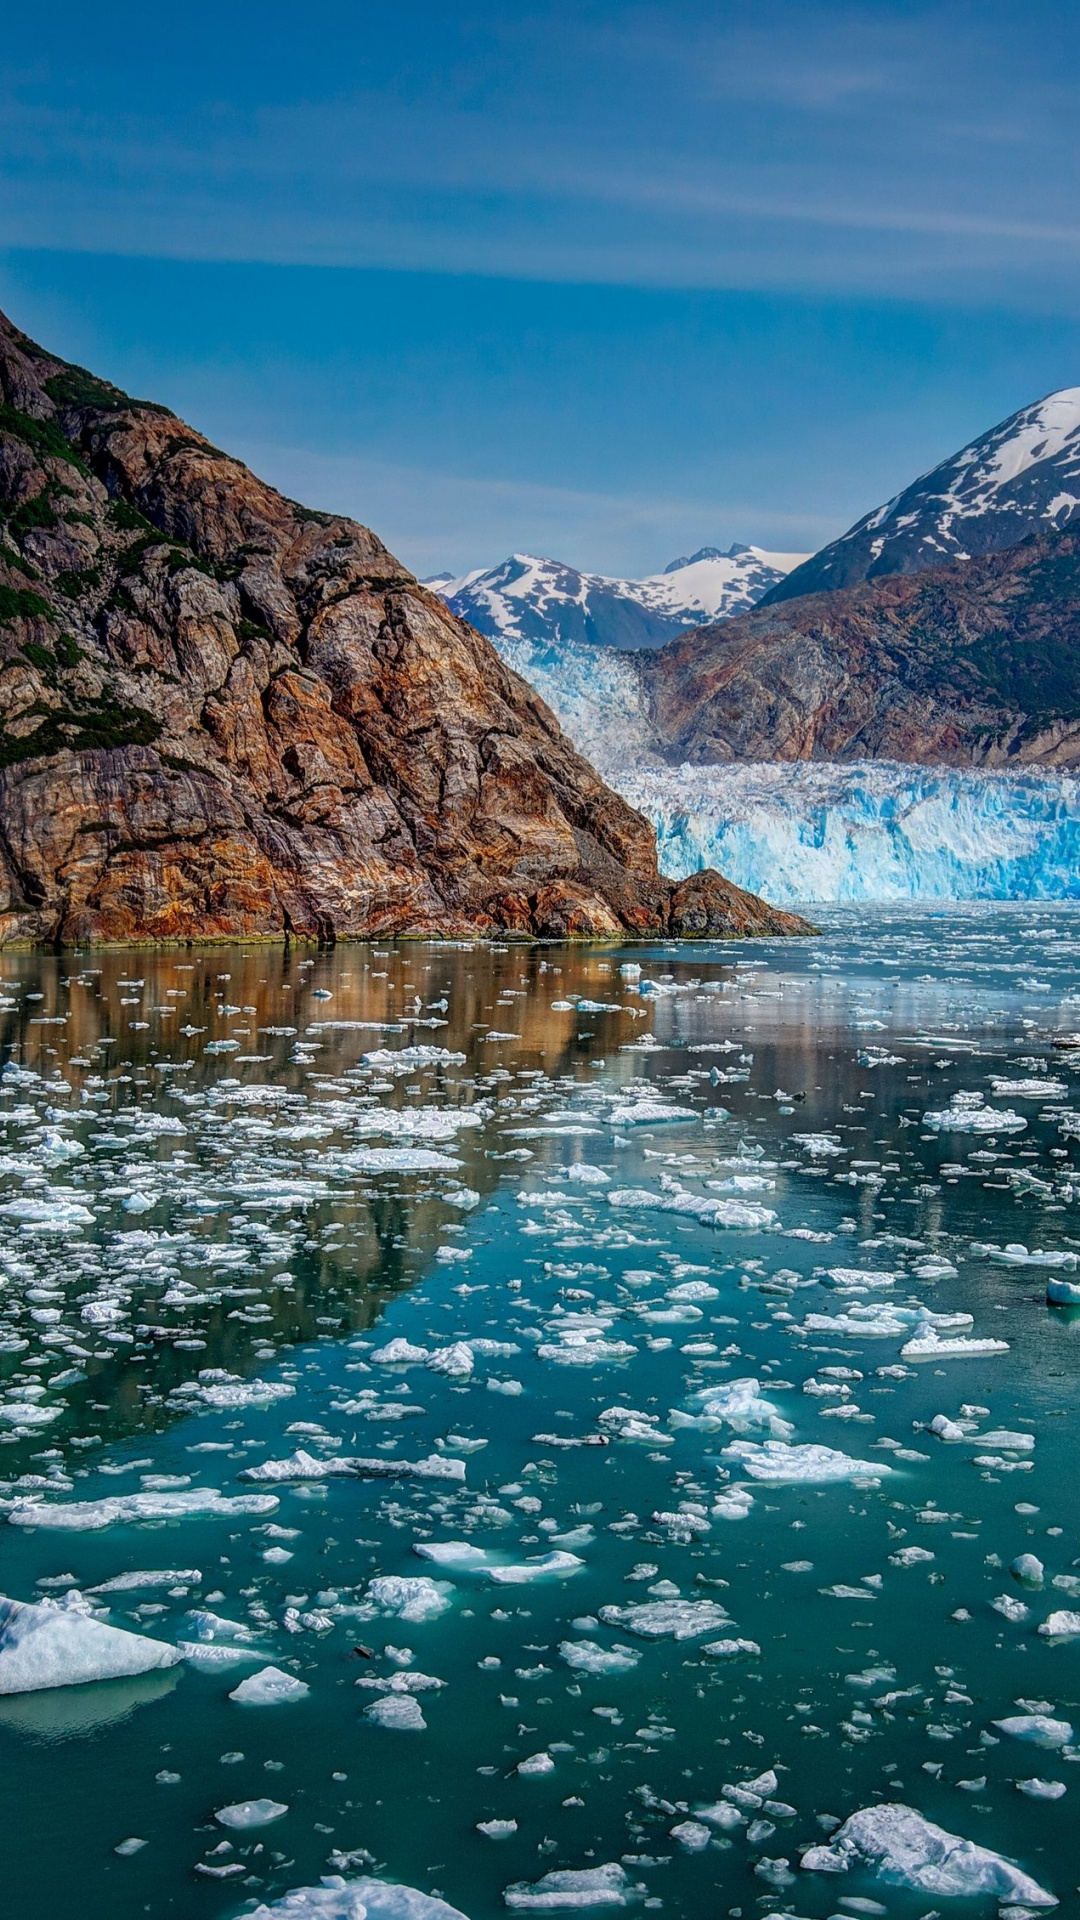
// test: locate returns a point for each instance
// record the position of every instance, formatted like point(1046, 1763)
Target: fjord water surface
point(516, 1271)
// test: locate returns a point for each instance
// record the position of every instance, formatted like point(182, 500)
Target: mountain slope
point(224, 716)
point(546, 603)
point(975, 663)
point(1021, 478)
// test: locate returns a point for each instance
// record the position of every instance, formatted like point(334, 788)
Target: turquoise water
point(210, 1192)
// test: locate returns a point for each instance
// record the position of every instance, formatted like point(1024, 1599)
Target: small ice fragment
point(250, 1813)
point(536, 1763)
point(268, 1688)
point(1042, 1789)
point(497, 1829)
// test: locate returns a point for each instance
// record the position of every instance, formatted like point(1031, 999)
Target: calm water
point(219, 1210)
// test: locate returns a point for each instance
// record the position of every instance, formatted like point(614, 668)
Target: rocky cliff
point(975, 663)
point(223, 716)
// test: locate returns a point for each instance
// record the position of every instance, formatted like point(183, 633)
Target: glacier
point(869, 830)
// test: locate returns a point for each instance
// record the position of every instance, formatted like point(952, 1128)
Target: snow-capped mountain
point(1022, 477)
point(546, 603)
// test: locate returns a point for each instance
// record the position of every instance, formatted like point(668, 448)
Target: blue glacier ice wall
point(872, 830)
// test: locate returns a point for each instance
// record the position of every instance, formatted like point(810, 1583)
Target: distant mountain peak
point(528, 598)
point(1020, 478)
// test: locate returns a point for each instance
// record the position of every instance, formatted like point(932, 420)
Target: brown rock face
point(225, 717)
point(976, 663)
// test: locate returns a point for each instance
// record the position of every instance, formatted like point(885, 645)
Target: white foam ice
point(779, 1464)
point(571, 1890)
point(59, 1643)
point(270, 1687)
point(906, 1850)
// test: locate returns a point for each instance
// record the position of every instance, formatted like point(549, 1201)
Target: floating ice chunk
point(1063, 1293)
point(667, 1619)
point(1015, 1254)
point(58, 1643)
point(27, 1413)
point(1044, 1089)
point(497, 1829)
point(964, 1117)
point(906, 1850)
point(1005, 1437)
point(571, 1890)
point(627, 1423)
point(1039, 1728)
point(586, 1656)
point(269, 1688)
point(548, 1565)
point(411, 1597)
point(217, 1389)
point(400, 1353)
point(304, 1466)
point(362, 1899)
point(250, 1813)
point(1042, 1789)
point(1010, 1609)
point(928, 1344)
point(855, 1279)
point(456, 1361)
point(732, 1649)
point(409, 1059)
point(945, 1428)
point(746, 1214)
point(732, 1503)
point(397, 1160)
point(584, 1350)
point(90, 1516)
point(692, 1835)
point(457, 1554)
point(779, 1464)
point(398, 1711)
point(584, 1174)
point(536, 1764)
point(1064, 1625)
point(53, 1215)
point(647, 1113)
point(155, 1577)
point(740, 1405)
point(1028, 1568)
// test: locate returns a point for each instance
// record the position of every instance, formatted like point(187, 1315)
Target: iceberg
point(907, 1851)
point(91, 1516)
point(59, 1643)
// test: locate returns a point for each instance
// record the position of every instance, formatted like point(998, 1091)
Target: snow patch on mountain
point(543, 601)
point(1020, 478)
point(870, 830)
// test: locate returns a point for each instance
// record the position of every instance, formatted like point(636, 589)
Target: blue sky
point(603, 281)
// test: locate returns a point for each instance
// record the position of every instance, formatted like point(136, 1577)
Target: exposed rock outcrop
point(974, 663)
point(223, 716)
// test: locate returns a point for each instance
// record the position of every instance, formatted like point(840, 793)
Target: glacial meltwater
point(540, 1429)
